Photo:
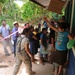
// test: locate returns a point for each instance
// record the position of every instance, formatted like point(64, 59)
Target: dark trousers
point(15, 46)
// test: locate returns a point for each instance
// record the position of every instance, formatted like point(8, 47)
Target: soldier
point(23, 53)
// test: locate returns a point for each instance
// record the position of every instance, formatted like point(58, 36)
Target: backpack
point(19, 44)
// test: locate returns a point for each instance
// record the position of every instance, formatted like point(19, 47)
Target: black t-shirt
point(51, 35)
point(30, 37)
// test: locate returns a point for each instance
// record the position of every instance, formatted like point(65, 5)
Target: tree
point(9, 11)
point(31, 11)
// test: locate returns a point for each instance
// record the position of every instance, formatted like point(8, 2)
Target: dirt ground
point(7, 65)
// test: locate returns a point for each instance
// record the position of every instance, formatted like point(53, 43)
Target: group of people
point(27, 43)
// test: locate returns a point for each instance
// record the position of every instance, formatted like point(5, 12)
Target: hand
point(32, 59)
point(44, 48)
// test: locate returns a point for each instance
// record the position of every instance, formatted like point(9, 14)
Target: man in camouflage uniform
point(23, 53)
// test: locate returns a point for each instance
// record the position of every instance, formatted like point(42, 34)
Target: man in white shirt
point(4, 32)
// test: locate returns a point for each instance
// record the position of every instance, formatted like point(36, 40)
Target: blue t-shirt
point(45, 25)
point(15, 36)
point(44, 39)
point(62, 39)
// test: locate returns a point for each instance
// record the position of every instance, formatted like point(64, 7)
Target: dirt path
point(7, 65)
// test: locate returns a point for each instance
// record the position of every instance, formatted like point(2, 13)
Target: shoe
point(34, 72)
point(42, 62)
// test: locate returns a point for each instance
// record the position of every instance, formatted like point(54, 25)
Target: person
point(67, 25)
point(39, 26)
point(33, 39)
point(15, 36)
point(43, 45)
point(37, 34)
point(60, 55)
point(51, 37)
point(23, 53)
point(26, 25)
point(62, 19)
point(45, 24)
point(51, 41)
point(5, 31)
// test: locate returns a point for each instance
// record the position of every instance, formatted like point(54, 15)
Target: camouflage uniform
point(22, 56)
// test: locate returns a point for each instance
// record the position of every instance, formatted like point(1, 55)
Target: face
point(16, 25)
point(3, 23)
point(32, 29)
point(45, 31)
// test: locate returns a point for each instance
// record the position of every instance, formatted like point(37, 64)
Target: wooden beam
point(37, 3)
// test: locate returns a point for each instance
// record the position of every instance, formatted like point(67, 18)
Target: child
point(43, 45)
point(61, 45)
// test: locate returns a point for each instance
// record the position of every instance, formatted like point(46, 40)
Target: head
point(26, 31)
point(31, 28)
point(61, 27)
point(3, 22)
point(62, 19)
point(44, 30)
point(36, 29)
point(27, 25)
point(73, 35)
point(16, 24)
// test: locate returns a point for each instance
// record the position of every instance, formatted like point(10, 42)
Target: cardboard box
point(56, 6)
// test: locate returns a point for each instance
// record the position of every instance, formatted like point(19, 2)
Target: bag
point(19, 43)
point(44, 51)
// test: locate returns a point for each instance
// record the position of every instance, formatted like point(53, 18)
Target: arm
point(42, 44)
point(28, 50)
point(1, 35)
point(1, 32)
point(34, 37)
point(9, 29)
point(52, 42)
point(70, 37)
point(51, 26)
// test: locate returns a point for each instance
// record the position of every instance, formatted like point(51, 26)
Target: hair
point(62, 25)
point(63, 17)
point(26, 30)
point(36, 29)
point(26, 24)
point(44, 29)
point(31, 27)
point(3, 20)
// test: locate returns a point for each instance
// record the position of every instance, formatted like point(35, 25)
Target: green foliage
point(30, 11)
point(10, 12)
point(3, 1)
point(56, 16)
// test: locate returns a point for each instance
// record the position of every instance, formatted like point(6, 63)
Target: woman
point(32, 39)
point(23, 53)
point(60, 55)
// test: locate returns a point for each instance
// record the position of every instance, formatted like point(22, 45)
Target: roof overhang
point(43, 3)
